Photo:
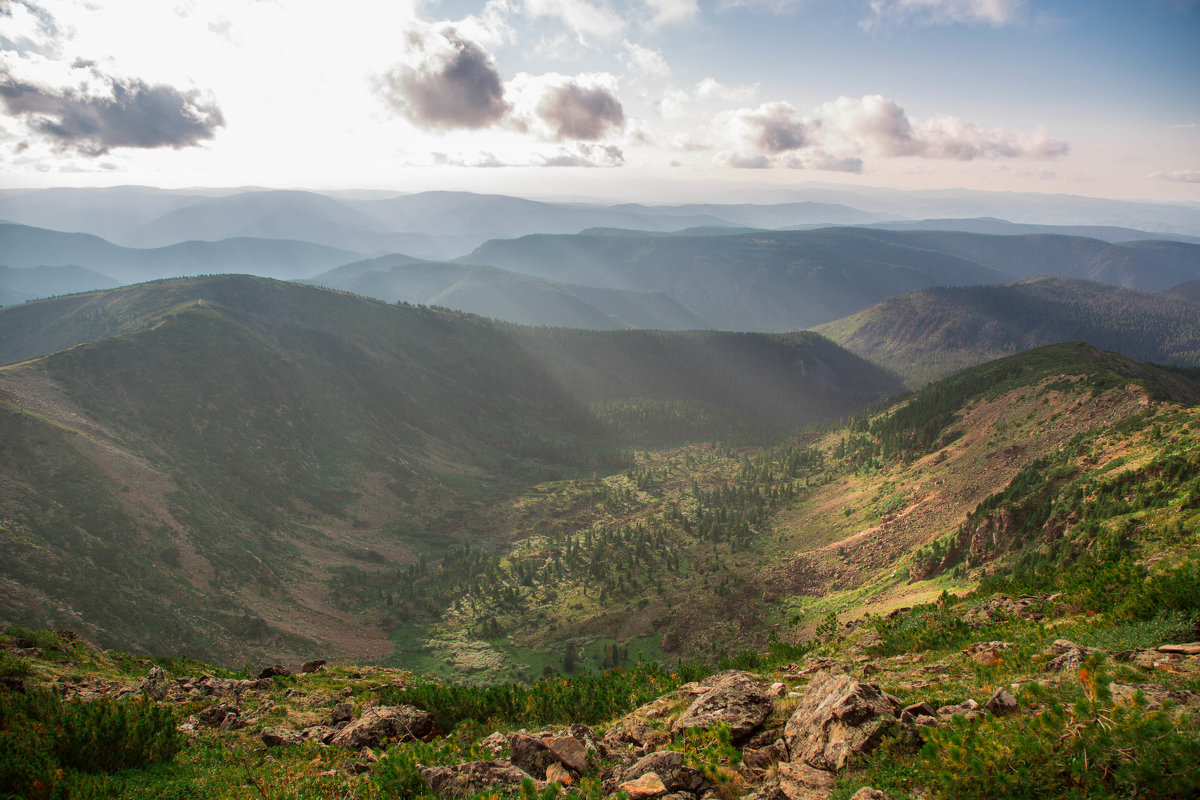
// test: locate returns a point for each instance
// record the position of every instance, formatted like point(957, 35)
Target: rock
point(763, 757)
point(735, 698)
point(497, 743)
point(320, 733)
point(476, 776)
point(384, 723)
point(217, 716)
point(777, 690)
point(568, 751)
point(154, 685)
point(530, 754)
point(799, 781)
point(867, 793)
point(765, 738)
point(557, 773)
point(343, 713)
point(670, 642)
point(637, 731)
point(1189, 649)
point(840, 718)
point(278, 736)
point(1001, 703)
point(663, 763)
point(316, 665)
point(921, 709)
point(273, 670)
point(646, 787)
point(1067, 656)
point(967, 708)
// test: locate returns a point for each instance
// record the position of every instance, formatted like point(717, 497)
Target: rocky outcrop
point(839, 719)
point(737, 699)
point(384, 723)
point(1066, 656)
point(459, 780)
point(154, 685)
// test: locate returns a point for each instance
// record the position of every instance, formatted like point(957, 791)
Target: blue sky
point(634, 99)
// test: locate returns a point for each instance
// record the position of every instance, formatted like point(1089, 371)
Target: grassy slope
point(213, 476)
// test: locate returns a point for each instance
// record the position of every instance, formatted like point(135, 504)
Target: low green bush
point(50, 748)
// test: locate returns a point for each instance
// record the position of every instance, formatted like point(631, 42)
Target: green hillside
point(931, 333)
point(202, 468)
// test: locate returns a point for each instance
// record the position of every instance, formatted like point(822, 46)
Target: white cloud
point(644, 62)
point(1182, 176)
point(840, 134)
point(589, 22)
point(944, 12)
point(711, 89)
point(667, 12)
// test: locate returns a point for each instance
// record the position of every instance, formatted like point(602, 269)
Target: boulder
point(736, 698)
point(663, 763)
point(646, 787)
point(1001, 703)
point(316, 665)
point(384, 723)
point(799, 781)
point(279, 736)
point(273, 670)
point(840, 718)
point(567, 751)
point(223, 715)
point(342, 713)
point(867, 793)
point(557, 773)
point(529, 753)
point(459, 780)
point(154, 685)
point(967, 708)
point(1189, 649)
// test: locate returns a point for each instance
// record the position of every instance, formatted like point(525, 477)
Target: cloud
point(645, 62)
point(1182, 176)
point(667, 12)
point(781, 7)
point(584, 155)
point(558, 107)
point(126, 113)
point(996, 13)
point(30, 29)
point(711, 89)
point(587, 21)
point(839, 134)
point(448, 82)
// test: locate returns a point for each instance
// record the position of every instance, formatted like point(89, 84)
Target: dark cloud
point(455, 84)
point(580, 112)
point(775, 128)
point(132, 114)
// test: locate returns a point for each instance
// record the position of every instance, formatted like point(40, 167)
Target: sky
point(641, 100)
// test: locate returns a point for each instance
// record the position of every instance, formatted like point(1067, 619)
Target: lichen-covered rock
point(316, 665)
point(497, 743)
point(273, 670)
point(663, 763)
point(1001, 703)
point(567, 751)
point(459, 780)
point(740, 700)
point(840, 718)
point(384, 723)
point(799, 781)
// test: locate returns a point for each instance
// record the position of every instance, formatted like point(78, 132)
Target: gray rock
point(154, 685)
point(384, 723)
point(663, 762)
point(316, 665)
point(736, 698)
point(867, 793)
point(1067, 656)
point(497, 743)
point(273, 670)
point(529, 753)
point(839, 719)
point(568, 751)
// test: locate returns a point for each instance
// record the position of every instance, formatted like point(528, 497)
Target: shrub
point(48, 746)
point(1095, 748)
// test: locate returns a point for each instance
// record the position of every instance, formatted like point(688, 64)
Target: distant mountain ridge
point(933, 332)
